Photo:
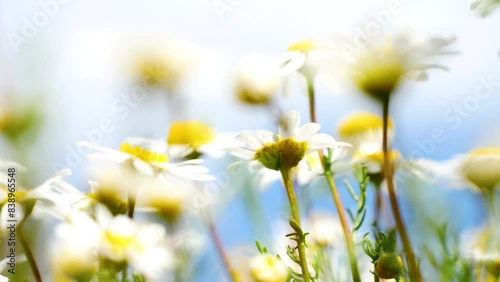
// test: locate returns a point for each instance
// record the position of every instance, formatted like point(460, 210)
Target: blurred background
point(65, 66)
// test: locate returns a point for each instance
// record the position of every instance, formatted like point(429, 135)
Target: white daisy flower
point(49, 197)
point(306, 57)
point(484, 7)
point(257, 79)
point(193, 138)
point(378, 69)
point(479, 170)
point(288, 148)
point(149, 161)
point(144, 246)
point(268, 268)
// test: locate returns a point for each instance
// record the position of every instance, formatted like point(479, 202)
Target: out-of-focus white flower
point(482, 168)
point(190, 139)
point(166, 196)
point(144, 247)
point(286, 149)
point(484, 7)
point(46, 197)
point(164, 64)
point(257, 79)
point(268, 268)
point(149, 161)
point(378, 69)
point(74, 256)
point(325, 230)
point(306, 57)
point(479, 169)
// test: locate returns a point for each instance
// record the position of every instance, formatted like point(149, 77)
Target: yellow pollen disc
point(143, 154)
point(119, 240)
point(486, 151)
point(360, 123)
point(190, 133)
point(303, 46)
point(378, 157)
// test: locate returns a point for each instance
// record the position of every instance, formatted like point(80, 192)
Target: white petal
point(249, 138)
point(295, 63)
point(143, 167)
point(307, 131)
point(289, 124)
point(266, 136)
point(242, 153)
point(321, 141)
point(179, 151)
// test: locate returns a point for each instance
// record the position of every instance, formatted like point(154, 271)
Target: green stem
point(414, 270)
point(220, 250)
point(29, 254)
point(335, 194)
point(286, 173)
point(490, 198)
point(345, 226)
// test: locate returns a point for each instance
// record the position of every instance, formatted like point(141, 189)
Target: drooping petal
point(321, 141)
point(249, 138)
point(307, 131)
point(289, 124)
point(143, 167)
point(295, 62)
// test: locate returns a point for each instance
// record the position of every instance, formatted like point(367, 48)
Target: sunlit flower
point(166, 196)
point(257, 79)
point(43, 197)
point(479, 169)
point(288, 148)
point(111, 188)
point(378, 70)
point(325, 230)
point(484, 7)
point(165, 64)
point(191, 139)
point(305, 56)
point(268, 268)
point(482, 168)
point(144, 247)
point(75, 254)
point(149, 161)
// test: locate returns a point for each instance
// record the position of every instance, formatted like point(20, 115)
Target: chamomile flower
point(149, 161)
point(268, 268)
point(43, 197)
point(144, 246)
point(193, 138)
point(288, 148)
point(484, 7)
point(257, 79)
point(378, 70)
point(305, 57)
point(479, 169)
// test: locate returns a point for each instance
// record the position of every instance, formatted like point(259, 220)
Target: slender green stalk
point(414, 270)
point(220, 250)
point(489, 197)
point(335, 194)
point(29, 254)
point(345, 227)
point(286, 173)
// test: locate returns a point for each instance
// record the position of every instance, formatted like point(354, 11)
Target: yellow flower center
point(378, 157)
point(143, 154)
point(360, 123)
point(282, 154)
point(119, 240)
point(303, 46)
point(486, 151)
point(378, 72)
point(190, 133)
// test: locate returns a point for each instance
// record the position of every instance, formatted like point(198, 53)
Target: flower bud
point(388, 265)
point(482, 168)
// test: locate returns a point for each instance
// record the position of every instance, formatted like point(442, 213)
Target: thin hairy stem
point(414, 270)
point(286, 173)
